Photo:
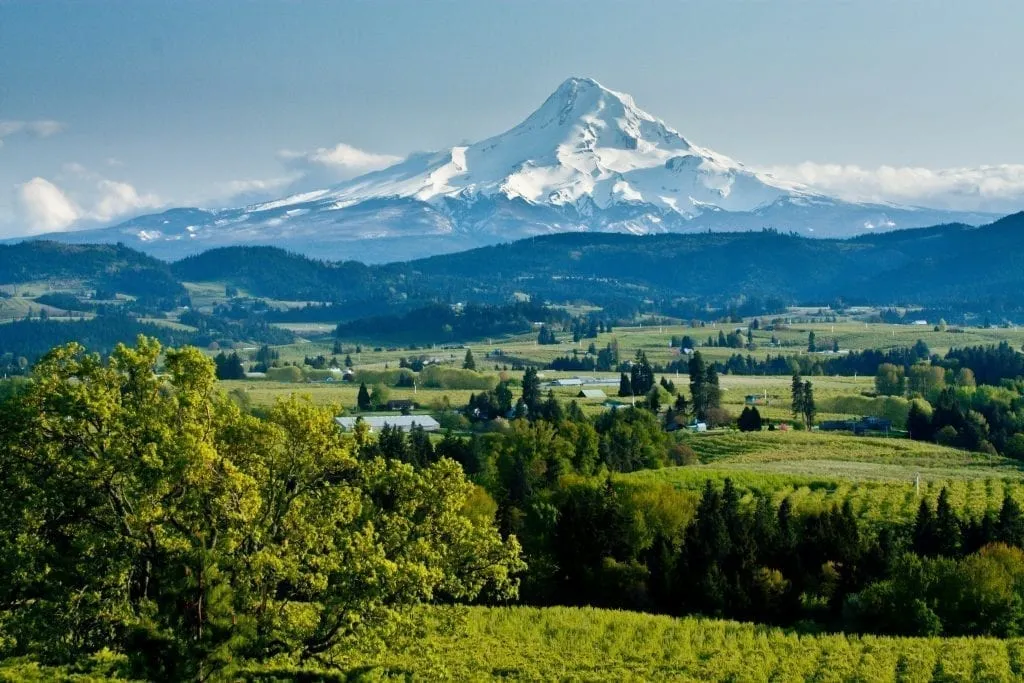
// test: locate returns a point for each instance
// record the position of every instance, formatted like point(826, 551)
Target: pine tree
point(947, 527)
point(1010, 526)
point(812, 346)
point(641, 374)
point(469, 363)
point(503, 398)
point(698, 383)
point(749, 420)
point(924, 541)
point(654, 400)
point(797, 392)
point(348, 361)
point(420, 449)
point(680, 405)
point(531, 391)
point(363, 398)
point(551, 409)
point(391, 443)
point(229, 367)
point(712, 392)
point(625, 385)
point(810, 410)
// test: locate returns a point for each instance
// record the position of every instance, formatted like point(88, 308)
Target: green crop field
point(590, 644)
point(884, 479)
point(585, 644)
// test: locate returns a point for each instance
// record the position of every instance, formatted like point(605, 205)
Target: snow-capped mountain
point(587, 159)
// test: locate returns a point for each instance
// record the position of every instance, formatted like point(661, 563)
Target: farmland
point(884, 479)
point(589, 644)
point(559, 643)
point(604, 501)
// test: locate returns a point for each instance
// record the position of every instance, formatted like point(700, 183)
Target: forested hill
point(102, 266)
point(946, 265)
point(936, 265)
point(276, 273)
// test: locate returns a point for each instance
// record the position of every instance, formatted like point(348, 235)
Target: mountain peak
point(587, 159)
point(579, 97)
point(577, 83)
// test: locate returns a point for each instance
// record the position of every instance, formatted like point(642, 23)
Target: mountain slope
point(588, 159)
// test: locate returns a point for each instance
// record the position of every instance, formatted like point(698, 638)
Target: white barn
point(402, 422)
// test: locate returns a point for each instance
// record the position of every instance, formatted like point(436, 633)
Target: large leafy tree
point(145, 513)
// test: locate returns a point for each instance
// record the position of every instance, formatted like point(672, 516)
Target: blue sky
point(118, 107)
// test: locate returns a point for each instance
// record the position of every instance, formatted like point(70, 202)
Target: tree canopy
point(145, 513)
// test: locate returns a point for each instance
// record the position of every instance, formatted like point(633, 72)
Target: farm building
point(596, 394)
point(401, 404)
point(402, 422)
point(568, 382)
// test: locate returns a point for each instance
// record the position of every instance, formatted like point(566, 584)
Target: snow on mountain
point(585, 146)
point(587, 159)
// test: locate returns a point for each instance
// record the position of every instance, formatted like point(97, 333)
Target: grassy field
point(263, 393)
point(655, 342)
point(734, 390)
point(884, 479)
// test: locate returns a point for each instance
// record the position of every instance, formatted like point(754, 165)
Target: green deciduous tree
point(890, 380)
point(148, 515)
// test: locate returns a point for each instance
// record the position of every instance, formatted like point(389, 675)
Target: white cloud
point(43, 128)
point(117, 199)
point(997, 188)
point(234, 190)
point(335, 164)
point(304, 171)
point(46, 207)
